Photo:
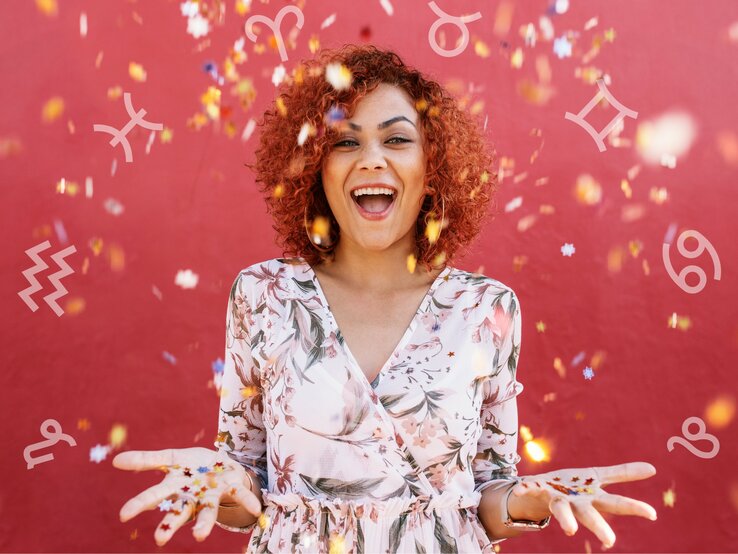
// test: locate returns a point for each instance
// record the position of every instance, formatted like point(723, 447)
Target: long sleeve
point(496, 459)
point(241, 432)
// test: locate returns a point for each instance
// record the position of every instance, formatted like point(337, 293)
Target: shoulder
point(470, 280)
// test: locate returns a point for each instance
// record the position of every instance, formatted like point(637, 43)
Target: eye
point(343, 142)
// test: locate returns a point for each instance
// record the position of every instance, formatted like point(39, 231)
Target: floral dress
point(397, 465)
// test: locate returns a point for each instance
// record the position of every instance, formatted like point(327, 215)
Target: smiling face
point(379, 151)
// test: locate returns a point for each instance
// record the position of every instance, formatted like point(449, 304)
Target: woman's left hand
point(571, 494)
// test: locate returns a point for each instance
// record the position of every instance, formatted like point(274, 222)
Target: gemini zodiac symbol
point(584, 124)
point(137, 118)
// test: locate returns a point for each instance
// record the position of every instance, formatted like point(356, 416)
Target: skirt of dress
point(295, 523)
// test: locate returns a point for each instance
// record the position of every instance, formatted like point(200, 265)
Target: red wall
point(190, 204)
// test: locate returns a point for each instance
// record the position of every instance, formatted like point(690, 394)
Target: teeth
point(373, 190)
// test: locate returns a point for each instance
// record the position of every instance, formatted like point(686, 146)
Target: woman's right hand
point(196, 481)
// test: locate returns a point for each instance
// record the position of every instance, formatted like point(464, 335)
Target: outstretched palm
point(572, 494)
point(196, 481)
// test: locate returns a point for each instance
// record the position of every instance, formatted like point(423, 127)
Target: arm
point(241, 432)
point(495, 465)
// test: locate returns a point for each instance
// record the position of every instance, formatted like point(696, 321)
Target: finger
point(172, 522)
point(561, 510)
point(622, 505)
point(631, 471)
point(144, 459)
point(207, 515)
point(593, 520)
point(147, 500)
point(241, 494)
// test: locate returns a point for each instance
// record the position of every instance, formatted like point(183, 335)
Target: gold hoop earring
point(310, 238)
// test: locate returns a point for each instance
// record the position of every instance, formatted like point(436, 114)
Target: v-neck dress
point(349, 466)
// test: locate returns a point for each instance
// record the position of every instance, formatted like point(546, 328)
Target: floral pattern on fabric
point(344, 465)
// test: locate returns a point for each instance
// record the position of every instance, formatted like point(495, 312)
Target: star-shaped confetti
point(165, 505)
point(203, 469)
point(562, 47)
point(568, 249)
point(540, 326)
point(98, 453)
point(669, 498)
point(588, 373)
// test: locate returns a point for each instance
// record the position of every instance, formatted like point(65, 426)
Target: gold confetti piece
point(96, 245)
point(278, 191)
point(516, 60)
point(727, 145)
point(166, 134)
point(540, 327)
point(11, 146)
point(248, 392)
point(338, 75)
point(117, 258)
point(52, 109)
point(263, 520)
point(433, 230)
point(587, 190)
point(281, 107)
point(658, 195)
point(320, 230)
point(615, 259)
point(635, 247)
point(83, 424)
point(669, 498)
point(719, 412)
point(546, 209)
point(48, 7)
point(438, 259)
point(536, 451)
point(519, 262)
point(559, 367)
point(74, 306)
point(549, 397)
point(134, 534)
point(481, 49)
point(117, 435)
point(114, 93)
point(526, 222)
point(98, 59)
point(411, 263)
point(136, 72)
point(503, 18)
point(336, 545)
point(525, 433)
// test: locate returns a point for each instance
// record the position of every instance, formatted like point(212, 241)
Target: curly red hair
point(459, 175)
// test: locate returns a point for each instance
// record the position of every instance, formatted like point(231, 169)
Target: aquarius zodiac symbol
point(275, 25)
point(702, 245)
point(460, 22)
point(52, 437)
point(137, 118)
point(622, 113)
point(700, 435)
point(54, 278)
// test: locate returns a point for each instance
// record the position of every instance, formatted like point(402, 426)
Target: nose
point(371, 157)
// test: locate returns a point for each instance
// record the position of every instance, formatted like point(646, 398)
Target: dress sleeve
point(241, 432)
point(495, 463)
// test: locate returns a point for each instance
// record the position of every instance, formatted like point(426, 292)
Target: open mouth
point(374, 200)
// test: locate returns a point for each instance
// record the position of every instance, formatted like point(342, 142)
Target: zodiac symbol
point(275, 26)
point(454, 20)
point(54, 278)
point(702, 244)
point(622, 113)
point(119, 136)
point(52, 437)
point(701, 435)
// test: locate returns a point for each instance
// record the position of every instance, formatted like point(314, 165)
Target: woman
point(368, 399)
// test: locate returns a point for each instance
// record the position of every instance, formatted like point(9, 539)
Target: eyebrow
point(384, 124)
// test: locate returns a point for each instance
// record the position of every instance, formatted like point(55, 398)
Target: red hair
point(459, 173)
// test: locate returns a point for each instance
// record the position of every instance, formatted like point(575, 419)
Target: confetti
point(52, 109)
point(669, 498)
point(136, 72)
point(186, 279)
point(720, 411)
point(338, 75)
point(588, 373)
point(117, 435)
point(83, 24)
point(568, 249)
point(98, 453)
point(169, 357)
point(47, 7)
point(328, 21)
point(671, 134)
point(411, 263)
point(587, 190)
point(562, 47)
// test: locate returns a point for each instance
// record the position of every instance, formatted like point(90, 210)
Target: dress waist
point(369, 507)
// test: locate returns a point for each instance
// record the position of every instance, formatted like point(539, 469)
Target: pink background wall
point(190, 204)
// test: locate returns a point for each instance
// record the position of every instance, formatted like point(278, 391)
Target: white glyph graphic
point(119, 135)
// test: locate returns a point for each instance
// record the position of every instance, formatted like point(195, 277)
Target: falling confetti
point(52, 109)
point(186, 279)
point(338, 75)
point(562, 47)
point(136, 72)
point(98, 453)
point(588, 373)
point(568, 250)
